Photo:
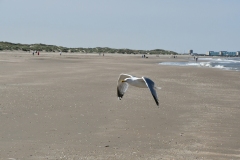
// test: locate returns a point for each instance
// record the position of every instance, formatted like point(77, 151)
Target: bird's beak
point(123, 81)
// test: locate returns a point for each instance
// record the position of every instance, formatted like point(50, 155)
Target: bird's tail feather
point(157, 87)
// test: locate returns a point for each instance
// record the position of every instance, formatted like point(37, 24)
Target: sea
point(225, 63)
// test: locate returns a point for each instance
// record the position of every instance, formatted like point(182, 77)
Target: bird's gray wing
point(122, 86)
point(121, 89)
point(151, 87)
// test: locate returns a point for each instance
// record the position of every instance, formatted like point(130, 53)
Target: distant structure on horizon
point(190, 52)
point(213, 53)
point(223, 53)
point(195, 54)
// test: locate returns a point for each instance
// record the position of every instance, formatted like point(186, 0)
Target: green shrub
point(64, 50)
point(52, 48)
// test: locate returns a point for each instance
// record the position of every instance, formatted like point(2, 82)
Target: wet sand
point(66, 107)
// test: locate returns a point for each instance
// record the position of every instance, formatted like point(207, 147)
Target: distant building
point(195, 54)
point(212, 53)
point(190, 52)
point(222, 53)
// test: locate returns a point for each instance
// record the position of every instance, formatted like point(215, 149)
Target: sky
point(176, 25)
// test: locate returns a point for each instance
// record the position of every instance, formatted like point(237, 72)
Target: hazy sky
point(177, 25)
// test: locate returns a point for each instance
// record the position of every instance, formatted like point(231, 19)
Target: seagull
point(125, 80)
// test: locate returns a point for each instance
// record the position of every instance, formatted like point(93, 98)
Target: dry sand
point(66, 107)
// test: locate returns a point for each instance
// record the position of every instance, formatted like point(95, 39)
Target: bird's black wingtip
point(156, 100)
point(119, 94)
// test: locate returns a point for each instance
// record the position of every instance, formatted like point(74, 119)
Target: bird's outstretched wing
point(151, 87)
point(122, 86)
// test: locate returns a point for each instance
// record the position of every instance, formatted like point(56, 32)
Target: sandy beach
point(66, 107)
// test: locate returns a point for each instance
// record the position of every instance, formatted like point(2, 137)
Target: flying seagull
point(125, 79)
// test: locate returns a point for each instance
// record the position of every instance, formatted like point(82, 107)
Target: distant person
point(196, 59)
point(103, 54)
point(60, 53)
point(38, 53)
point(33, 53)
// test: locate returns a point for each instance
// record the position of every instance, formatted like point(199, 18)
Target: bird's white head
point(126, 80)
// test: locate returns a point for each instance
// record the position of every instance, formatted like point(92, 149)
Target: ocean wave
point(219, 63)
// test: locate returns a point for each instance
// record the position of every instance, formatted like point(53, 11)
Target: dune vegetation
point(53, 48)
